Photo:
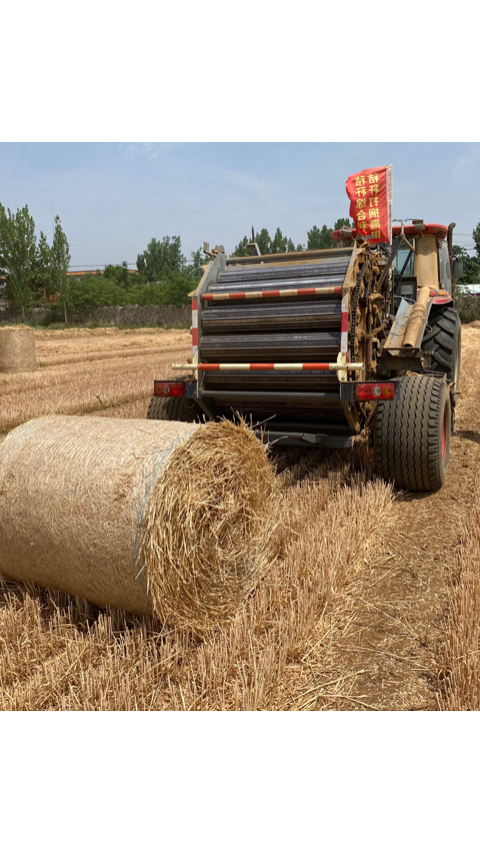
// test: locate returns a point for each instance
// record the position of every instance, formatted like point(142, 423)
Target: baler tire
point(443, 340)
point(411, 435)
point(174, 409)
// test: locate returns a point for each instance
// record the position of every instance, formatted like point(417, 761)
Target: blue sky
point(113, 198)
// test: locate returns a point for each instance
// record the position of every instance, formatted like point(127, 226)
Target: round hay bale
point(17, 349)
point(155, 517)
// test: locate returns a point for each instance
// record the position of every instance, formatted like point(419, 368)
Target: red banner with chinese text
point(370, 193)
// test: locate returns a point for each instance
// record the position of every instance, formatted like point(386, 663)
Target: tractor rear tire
point(443, 339)
point(411, 435)
point(174, 409)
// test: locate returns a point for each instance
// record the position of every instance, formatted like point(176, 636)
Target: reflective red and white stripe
point(344, 324)
point(194, 327)
point(270, 294)
point(301, 366)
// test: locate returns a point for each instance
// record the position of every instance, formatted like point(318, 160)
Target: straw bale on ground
point(162, 518)
point(17, 349)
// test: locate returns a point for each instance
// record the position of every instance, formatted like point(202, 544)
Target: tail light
point(375, 391)
point(169, 389)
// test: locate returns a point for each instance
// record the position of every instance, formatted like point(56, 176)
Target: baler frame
point(253, 316)
point(343, 367)
point(204, 397)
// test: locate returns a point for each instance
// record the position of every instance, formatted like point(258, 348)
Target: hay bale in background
point(156, 517)
point(17, 349)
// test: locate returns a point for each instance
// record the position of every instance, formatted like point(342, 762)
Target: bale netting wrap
point(155, 517)
point(17, 349)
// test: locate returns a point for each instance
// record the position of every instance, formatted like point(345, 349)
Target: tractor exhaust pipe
point(450, 239)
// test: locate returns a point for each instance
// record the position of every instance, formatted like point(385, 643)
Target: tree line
point(34, 272)
point(30, 269)
point(471, 265)
point(317, 238)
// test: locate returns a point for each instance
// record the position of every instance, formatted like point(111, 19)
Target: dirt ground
point(353, 616)
point(393, 616)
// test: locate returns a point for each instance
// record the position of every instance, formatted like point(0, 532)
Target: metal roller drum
point(297, 272)
point(298, 328)
point(301, 347)
point(271, 317)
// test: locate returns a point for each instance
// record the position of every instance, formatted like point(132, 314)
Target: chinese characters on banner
point(370, 193)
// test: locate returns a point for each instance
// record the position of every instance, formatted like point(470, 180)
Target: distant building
point(79, 274)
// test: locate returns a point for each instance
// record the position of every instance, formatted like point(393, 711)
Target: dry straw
point(17, 349)
point(208, 527)
point(162, 518)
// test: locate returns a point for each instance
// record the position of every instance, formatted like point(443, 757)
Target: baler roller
point(270, 348)
point(297, 271)
point(272, 317)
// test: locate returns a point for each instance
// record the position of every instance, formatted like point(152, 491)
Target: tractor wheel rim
point(444, 434)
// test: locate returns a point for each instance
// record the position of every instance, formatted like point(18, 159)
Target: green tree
point(240, 251)
point(476, 240)
point(52, 265)
point(319, 238)
point(279, 242)
point(471, 266)
point(264, 242)
point(60, 262)
point(119, 274)
point(18, 252)
point(161, 259)
point(97, 291)
point(195, 269)
point(42, 277)
point(340, 223)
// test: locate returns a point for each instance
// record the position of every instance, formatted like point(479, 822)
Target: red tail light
point(375, 391)
point(169, 389)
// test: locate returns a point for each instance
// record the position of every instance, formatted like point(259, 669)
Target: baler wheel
point(174, 409)
point(443, 339)
point(411, 435)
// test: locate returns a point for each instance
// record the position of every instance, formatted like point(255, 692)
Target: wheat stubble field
point(373, 601)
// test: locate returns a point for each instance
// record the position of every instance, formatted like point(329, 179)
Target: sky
point(112, 198)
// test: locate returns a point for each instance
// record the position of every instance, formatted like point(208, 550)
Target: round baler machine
point(325, 347)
